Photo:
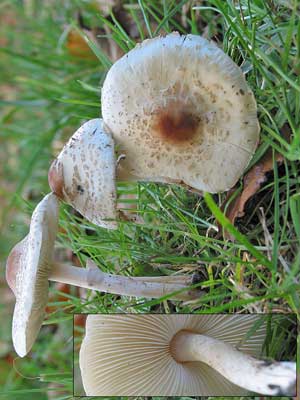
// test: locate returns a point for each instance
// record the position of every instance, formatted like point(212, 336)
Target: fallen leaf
point(79, 327)
point(79, 320)
point(78, 47)
point(252, 182)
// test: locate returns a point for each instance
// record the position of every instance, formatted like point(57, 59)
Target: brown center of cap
point(176, 123)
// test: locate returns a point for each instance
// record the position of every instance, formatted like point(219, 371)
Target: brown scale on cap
point(56, 179)
point(176, 123)
point(13, 263)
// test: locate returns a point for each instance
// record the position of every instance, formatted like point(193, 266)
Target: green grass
point(56, 92)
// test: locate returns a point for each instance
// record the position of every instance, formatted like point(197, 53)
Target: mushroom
point(83, 174)
point(179, 355)
point(187, 117)
point(30, 265)
point(27, 268)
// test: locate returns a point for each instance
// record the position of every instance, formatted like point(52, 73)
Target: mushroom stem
point(264, 377)
point(179, 279)
point(93, 278)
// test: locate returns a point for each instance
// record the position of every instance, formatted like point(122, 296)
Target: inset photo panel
point(185, 354)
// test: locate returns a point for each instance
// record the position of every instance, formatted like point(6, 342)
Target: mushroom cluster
point(180, 355)
point(186, 116)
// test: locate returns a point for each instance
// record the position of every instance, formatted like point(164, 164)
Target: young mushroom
point(179, 355)
point(187, 117)
point(30, 265)
point(83, 174)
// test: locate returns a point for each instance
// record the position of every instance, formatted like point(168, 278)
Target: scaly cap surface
point(187, 116)
point(83, 174)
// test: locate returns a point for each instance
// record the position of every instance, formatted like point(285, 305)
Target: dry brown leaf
point(79, 325)
point(252, 182)
point(79, 320)
point(78, 47)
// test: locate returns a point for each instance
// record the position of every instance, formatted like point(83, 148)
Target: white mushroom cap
point(27, 270)
point(83, 174)
point(129, 355)
point(181, 111)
